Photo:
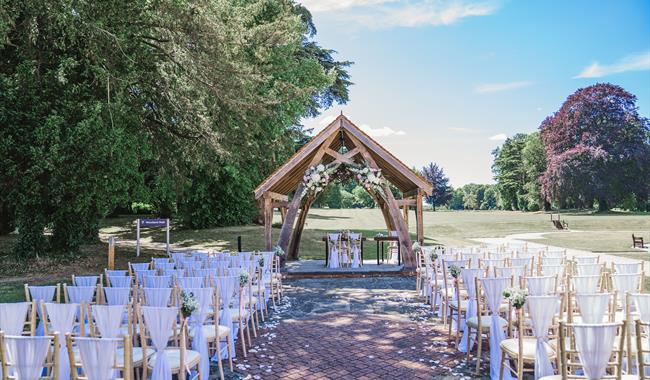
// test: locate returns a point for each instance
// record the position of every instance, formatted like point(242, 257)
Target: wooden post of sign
point(111, 252)
point(137, 237)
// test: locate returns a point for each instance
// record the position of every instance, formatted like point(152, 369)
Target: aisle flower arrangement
point(189, 304)
point(516, 296)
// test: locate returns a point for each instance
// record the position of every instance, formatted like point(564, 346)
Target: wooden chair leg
point(243, 340)
point(219, 361)
point(229, 349)
point(478, 352)
point(469, 334)
point(502, 364)
point(248, 333)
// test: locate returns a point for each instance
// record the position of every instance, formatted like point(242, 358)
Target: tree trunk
point(602, 205)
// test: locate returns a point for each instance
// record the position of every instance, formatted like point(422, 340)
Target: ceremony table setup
point(345, 249)
point(537, 312)
point(172, 316)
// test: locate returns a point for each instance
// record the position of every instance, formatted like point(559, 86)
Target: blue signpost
point(151, 223)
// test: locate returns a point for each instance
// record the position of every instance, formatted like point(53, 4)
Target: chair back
point(32, 357)
point(99, 358)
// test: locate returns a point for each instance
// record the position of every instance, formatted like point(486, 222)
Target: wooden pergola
point(341, 142)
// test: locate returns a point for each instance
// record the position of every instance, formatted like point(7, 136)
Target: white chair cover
point(494, 288)
point(625, 283)
point(108, 319)
point(552, 260)
point(204, 297)
point(585, 284)
point(473, 258)
point(585, 259)
point(540, 286)
point(119, 281)
point(356, 249)
point(28, 355)
point(97, 357)
point(139, 266)
point(521, 262)
point(13, 317)
point(62, 317)
point(552, 270)
point(468, 276)
point(160, 322)
point(157, 297)
point(227, 287)
point(627, 268)
point(333, 261)
point(142, 273)
point(592, 306)
point(588, 269)
point(641, 303)
point(79, 294)
point(515, 272)
point(116, 272)
point(157, 281)
point(86, 280)
point(41, 293)
point(190, 282)
point(594, 344)
point(117, 296)
point(164, 266)
point(541, 310)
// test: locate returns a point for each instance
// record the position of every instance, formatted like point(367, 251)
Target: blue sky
point(446, 81)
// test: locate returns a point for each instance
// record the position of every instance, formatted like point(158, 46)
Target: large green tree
point(183, 104)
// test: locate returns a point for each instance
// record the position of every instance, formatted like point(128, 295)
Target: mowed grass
point(608, 233)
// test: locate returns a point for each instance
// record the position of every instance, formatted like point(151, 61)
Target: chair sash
point(333, 261)
point(226, 289)
point(62, 317)
point(41, 293)
point(111, 272)
point(473, 258)
point(165, 266)
point(521, 262)
point(593, 306)
point(190, 282)
point(515, 272)
point(553, 270)
point(468, 276)
point(588, 269)
point(108, 319)
point(142, 273)
point(642, 305)
point(27, 355)
point(160, 323)
point(552, 260)
point(157, 281)
point(594, 346)
point(119, 281)
point(542, 310)
point(625, 283)
point(81, 294)
point(494, 288)
point(86, 280)
point(628, 268)
point(139, 266)
point(204, 297)
point(585, 284)
point(97, 357)
point(586, 259)
point(13, 317)
point(117, 296)
point(157, 297)
point(540, 286)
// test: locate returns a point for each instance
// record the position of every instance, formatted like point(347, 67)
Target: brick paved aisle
point(365, 328)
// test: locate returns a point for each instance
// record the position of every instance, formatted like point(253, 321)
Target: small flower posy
point(517, 296)
point(260, 261)
point(316, 178)
point(416, 247)
point(243, 278)
point(369, 178)
point(278, 251)
point(188, 304)
point(454, 270)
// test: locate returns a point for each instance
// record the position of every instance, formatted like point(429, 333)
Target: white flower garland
point(369, 178)
point(316, 178)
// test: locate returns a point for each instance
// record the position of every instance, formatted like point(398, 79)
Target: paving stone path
point(352, 328)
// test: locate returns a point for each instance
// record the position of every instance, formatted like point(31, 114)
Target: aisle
point(363, 328)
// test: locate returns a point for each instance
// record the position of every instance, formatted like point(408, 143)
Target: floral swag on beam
point(317, 178)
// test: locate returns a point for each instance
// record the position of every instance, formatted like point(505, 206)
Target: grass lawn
point(605, 233)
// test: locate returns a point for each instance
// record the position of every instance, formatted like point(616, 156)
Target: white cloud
point(632, 62)
point(499, 137)
point(497, 87)
point(326, 120)
point(380, 132)
point(461, 130)
point(394, 13)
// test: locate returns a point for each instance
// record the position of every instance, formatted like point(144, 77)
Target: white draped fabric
point(468, 276)
point(541, 310)
point(139, 266)
point(642, 305)
point(515, 272)
point(592, 306)
point(628, 282)
point(86, 280)
point(12, 318)
point(81, 294)
point(553, 270)
point(521, 262)
point(62, 317)
point(158, 297)
point(227, 287)
point(588, 269)
point(473, 259)
point(494, 288)
point(627, 268)
point(119, 281)
point(41, 293)
point(204, 297)
point(190, 282)
point(160, 323)
point(552, 261)
point(116, 272)
point(157, 281)
point(355, 249)
point(141, 274)
point(108, 319)
point(27, 354)
point(540, 286)
point(117, 296)
point(333, 261)
point(594, 344)
point(97, 357)
point(586, 259)
point(585, 284)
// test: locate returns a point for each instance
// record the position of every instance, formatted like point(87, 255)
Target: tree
point(441, 189)
point(456, 201)
point(534, 164)
point(509, 172)
point(362, 198)
point(597, 148)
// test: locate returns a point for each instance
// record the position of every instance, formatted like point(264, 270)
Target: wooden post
point(111, 252)
point(294, 246)
point(405, 209)
point(419, 217)
point(268, 222)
